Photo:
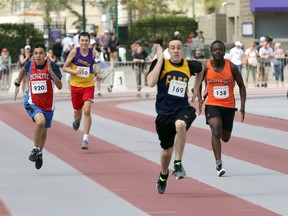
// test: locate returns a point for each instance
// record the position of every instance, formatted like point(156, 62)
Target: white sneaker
point(85, 145)
point(220, 170)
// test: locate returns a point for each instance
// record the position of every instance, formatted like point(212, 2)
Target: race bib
point(39, 87)
point(85, 73)
point(221, 92)
point(177, 88)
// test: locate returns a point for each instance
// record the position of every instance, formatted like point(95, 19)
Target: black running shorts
point(226, 114)
point(165, 125)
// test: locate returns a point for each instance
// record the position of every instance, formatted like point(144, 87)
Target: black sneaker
point(179, 171)
point(39, 161)
point(162, 183)
point(33, 155)
point(76, 125)
point(220, 170)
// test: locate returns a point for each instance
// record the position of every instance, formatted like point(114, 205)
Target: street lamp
point(84, 16)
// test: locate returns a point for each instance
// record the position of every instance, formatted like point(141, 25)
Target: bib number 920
point(39, 87)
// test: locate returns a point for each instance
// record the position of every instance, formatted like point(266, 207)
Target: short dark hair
point(177, 37)
point(217, 41)
point(85, 34)
point(39, 45)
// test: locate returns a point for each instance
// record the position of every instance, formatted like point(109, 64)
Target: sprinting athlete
point(79, 64)
point(42, 75)
point(220, 77)
point(174, 112)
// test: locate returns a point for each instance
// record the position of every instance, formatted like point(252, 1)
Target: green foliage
point(146, 29)
point(13, 37)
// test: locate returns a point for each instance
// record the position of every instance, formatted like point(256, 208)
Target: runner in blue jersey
point(174, 111)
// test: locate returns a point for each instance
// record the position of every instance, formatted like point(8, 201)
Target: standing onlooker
point(28, 55)
point(236, 55)
point(57, 50)
point(43, 75)
point(105, 41)
point(174, 113)
point(220, 77)
point(139, 58)
point(260, 72)
point(79, 64)
point(198, 54)
point(5, 68)
point(66, 41)
point(201, 37)
point(51, 56)
point(97, 65)
point(266, 55)
point(278, 63)
point(251, 54)
point(113, 48)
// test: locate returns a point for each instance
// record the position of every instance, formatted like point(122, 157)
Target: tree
point(13, 37)
point(212, 6)
point(147, 8)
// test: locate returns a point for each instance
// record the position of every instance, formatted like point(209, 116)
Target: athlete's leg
point(216, 130)
point(87, 116)
point(180, 139)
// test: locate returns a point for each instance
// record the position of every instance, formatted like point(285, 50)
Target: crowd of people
point(260, 59)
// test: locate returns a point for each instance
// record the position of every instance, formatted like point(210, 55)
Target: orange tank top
point(220, 86)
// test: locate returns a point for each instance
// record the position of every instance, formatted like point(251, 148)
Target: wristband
point(16, 83)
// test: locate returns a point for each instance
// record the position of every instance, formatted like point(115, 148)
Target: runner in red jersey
point(39, 101)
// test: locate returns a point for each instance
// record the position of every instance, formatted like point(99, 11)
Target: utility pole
point(116, 19)
point(83, 16)
point(193, 9)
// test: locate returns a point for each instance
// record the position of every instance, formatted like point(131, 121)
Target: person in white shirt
point(251, 54)
point(236, 55)
point(266, 54)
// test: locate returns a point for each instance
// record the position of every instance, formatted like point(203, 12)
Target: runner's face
point(218, 51)
point(176, 50)
point(84, 42)
point(39, 56)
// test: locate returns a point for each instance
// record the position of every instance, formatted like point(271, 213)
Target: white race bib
point(221, 92)
point(85, 73)
point(177, 88)
point(39, 87)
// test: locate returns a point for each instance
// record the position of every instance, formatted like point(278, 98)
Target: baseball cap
point(238, 43)
point(92, 41)
point(4, 50)
point(27, 47)
point(176, 33)
point(262, 39)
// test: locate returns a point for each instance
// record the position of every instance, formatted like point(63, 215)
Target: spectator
point(278, 63)
point(251, 54)
point(201, 37)
point(236, 55)
point(266, 55)
point(5, 67)
point(66, 41)
point(139, 59)
point(57, 49)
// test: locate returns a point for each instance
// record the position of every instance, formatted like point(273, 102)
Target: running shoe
point(33, 155)
point(76, 125)
point(39, 161)
point(179, 171)
point(162, 183)
point(85, 145)
point(220, 170)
